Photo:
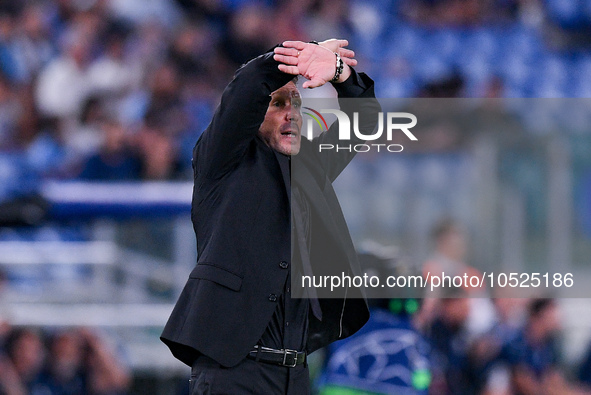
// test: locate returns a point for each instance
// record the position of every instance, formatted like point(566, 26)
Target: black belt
point(289, 358)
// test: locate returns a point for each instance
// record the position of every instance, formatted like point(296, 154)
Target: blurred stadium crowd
point(113, 90)
point(458, 342)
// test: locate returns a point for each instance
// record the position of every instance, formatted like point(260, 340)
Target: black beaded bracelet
point(340, 66)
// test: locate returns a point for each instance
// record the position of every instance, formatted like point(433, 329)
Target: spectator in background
point(165, 102)
point(40, 140)
point(10, 383)
point(290, 20)
point(80, 363)
point(161, 85)
point(203, 72)
point(157, 149)
point(532, 355)
point(191, 51)
point(116, 159)
point(213, 12)
point(510, 317)
point(533, 352)
point(329, 18)
point(25, 352)
point(148, 43)
point(64, 373)
point(62, 15)
point(163, 122)
point(28, 122)
point(451, 247)
point(63, 85)
point(248, 34)
point(32, 48)
point(449, 257)
point(85, 137)
point(113, 74)
point(453, 372)
point(8, 15)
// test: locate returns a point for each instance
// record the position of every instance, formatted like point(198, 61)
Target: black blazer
point(241, 217)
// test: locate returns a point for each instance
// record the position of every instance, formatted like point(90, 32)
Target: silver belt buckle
point(295, 357)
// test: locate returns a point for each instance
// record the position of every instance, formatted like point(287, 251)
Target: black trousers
point(248, 377)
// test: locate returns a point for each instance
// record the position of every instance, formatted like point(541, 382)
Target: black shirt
point(289, 324)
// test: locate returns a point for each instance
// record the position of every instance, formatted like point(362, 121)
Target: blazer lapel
point(309, 187)
point(285, 172)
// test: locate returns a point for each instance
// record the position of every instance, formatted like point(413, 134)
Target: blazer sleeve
point(237, 119)
point(356, 94)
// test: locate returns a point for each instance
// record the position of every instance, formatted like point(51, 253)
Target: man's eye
point(297, 103)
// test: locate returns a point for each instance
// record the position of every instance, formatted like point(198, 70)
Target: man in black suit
point(236, 322)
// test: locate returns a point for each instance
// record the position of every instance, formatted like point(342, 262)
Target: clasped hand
point(317, 63)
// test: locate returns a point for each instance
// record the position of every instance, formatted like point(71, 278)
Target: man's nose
point(293, 113)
